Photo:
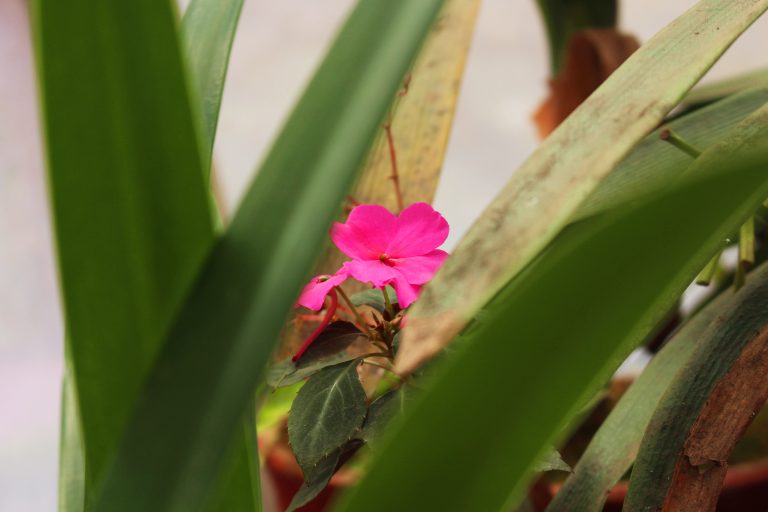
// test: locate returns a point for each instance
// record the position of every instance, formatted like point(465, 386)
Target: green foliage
point(327, 350)
point(720, 345)
point(382, 411)
point(541, 343)
point(326, 413)
point(208, 29)
point(373, 298)
point(562, 18)
point(130, 203)
point(550, 187)
point(614, 446)
point(316, 479)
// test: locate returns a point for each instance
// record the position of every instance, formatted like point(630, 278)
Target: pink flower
point(397, 250)
point(314, 293)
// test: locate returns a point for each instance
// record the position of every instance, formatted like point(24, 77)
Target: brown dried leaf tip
point(592, 55)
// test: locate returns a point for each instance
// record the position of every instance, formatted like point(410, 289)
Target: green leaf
point(336, 337)
point(714, 91)
point(219, 345)
point(614, 446)
point(327, 350)
point(555, 334)
point(551, 461)
point(736, 324)
point(563, 18)
point(316, 480)
point(208, 29)
point(275, 405)
point(648, 167)
point(381, 413)
point(71, 460)
point(326, 413)
point(374, 298)
point(129, 198)
point(239, 487)
point(553, 183)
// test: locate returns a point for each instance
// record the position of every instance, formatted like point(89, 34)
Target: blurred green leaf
point(208, 29)
point(326, 413)
point(239, 484)
point(218, 348)
point(71, 457)
point(562, 18)
point(614, 446)
point(556, 333)
point(275, 405)
point(738, 322)
point(543, 195)
point(374, 298)
point(714, 91)
point(551, 461)
point(648, 166)
point(129, 198)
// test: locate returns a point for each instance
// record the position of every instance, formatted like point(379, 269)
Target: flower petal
point(406, 292)
point(375, 272)
point(420, 269)
point(367, 232)
point(420, 229)
point(314, 293)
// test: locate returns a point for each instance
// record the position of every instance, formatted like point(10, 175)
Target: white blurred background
point(277, 47)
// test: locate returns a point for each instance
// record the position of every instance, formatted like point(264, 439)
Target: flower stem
point(669, 136)
point(383, 367)
point(395, 176)
point(320, 328)
point(388, 303)
point(357, 314)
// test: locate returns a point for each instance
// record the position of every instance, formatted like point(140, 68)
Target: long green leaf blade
point(551, 185)
point(208, 29)
point(128, 195)
point(556, 333)
point(665, 444)
point(216, 352)
point(614, 447)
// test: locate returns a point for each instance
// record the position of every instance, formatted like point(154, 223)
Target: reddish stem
point(320, 328)
point(393, 159)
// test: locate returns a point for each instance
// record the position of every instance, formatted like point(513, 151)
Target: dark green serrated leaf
point(382, 411)
point(327, 350)
point(326, 413)
point(374, 298)
point(335, 338)
point(315, 480)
